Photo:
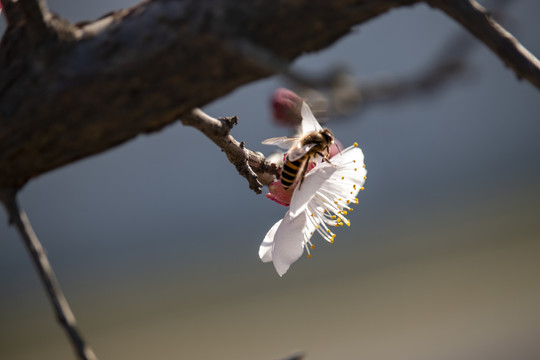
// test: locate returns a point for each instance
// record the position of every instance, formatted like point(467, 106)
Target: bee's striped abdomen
point(289, 172)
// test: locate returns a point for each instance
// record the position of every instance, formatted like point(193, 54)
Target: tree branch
point(337, 92)
point(76, 90)
point(476, 19)
point(97, 84)
point(37, 14)
point(251, 165)
point(39, 258)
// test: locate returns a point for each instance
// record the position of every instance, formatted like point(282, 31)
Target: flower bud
point(286, 107)
point(279, 194)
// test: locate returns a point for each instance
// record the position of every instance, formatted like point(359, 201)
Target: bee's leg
point(331, 163)
point(326, 157)
point(302, 173)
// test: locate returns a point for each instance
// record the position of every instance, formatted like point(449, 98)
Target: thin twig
point(448, 65)
point(251, 165)
point(39, 257)
point(296, 356)
point(338, 92)
point(476, 19)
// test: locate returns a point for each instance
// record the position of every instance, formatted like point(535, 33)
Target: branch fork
point(251, 165)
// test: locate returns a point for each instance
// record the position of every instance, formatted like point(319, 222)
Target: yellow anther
point(332, 241)
point(351, 194)
point(309, 256)
point(333, 217)
point(355, 144)
point(354, 186)
point(327, 230)
point(339, 199)
point(351, 209)
point(344, 212)
point(362, 188)
point(312, 247)
point(335, 202)
point(355, 169)
point(317, 226)
point(354, 161)
point(343, 178)
point(363, 166)
point(348, 201)
point(311, 214)
point(365, 177)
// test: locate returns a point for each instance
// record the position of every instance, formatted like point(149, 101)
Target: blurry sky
point(155, 242)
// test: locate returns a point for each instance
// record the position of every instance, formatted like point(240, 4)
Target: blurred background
point(442, 260)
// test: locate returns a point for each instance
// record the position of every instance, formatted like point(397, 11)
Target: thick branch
point(75, 90)
point(36, 13)
point(475, 18)
point(39, 258)
point(97, 84)
point(249, 164)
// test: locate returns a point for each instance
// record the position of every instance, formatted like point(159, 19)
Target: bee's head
point(328, 136)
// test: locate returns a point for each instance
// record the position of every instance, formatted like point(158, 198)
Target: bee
point(302, 150)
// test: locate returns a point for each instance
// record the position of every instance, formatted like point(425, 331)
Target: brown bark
point(68, 91)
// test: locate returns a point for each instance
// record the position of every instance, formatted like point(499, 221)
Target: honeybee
point(302, 150)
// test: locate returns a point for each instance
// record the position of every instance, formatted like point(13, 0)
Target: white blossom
point(320, 205)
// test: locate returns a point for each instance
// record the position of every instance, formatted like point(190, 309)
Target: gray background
point(155, 242)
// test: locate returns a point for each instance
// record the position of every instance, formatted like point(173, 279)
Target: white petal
point(351, 164)
point(348, 164)
point(265, 250)
point(288, 242)
point(312, 182)
point(309, 123)
point(353, 153)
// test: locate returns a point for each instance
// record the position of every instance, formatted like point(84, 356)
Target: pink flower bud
point(279, 194)
point(336, 148)
point(286, 107)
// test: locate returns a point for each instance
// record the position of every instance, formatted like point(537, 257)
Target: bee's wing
point(283, 142)
point(296, 153)
point(309, 123)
